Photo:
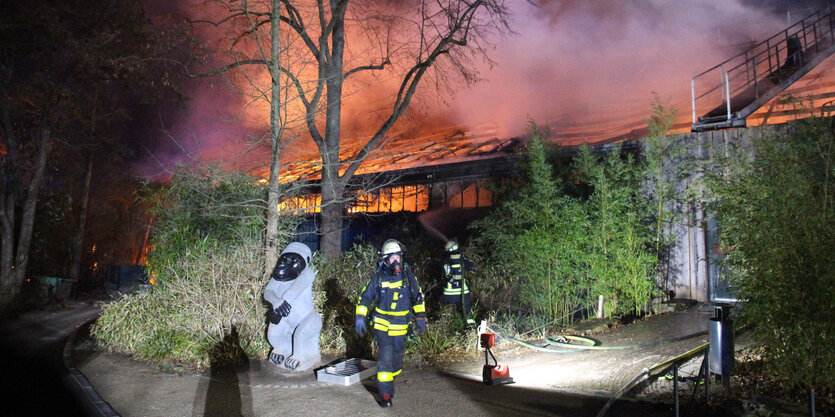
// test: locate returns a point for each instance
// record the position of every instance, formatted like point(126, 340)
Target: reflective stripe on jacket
point(453, 267)
point(396, 297)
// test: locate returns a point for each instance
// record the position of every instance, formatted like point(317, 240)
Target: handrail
point(719, 92)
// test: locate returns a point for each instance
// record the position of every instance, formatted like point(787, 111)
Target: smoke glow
point(586, 68)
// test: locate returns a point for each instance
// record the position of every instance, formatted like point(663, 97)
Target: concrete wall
point(692, 263)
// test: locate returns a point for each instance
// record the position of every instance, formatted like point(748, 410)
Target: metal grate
point(347, 372)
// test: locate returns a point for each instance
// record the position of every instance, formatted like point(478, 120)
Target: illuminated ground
point(576, 384)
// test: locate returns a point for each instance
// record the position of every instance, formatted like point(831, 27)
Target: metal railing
point(719, 93)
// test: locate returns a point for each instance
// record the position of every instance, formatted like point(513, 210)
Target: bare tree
point(249, 35)
point(404, 42)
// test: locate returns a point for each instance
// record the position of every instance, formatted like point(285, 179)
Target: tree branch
point(366, 68)
point(295, 21)
point(228, 67)
point(411, 81)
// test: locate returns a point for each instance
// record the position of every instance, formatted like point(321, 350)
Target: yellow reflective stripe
point(394, 330)
point(362, 310)
point(389, 324)
point(386, 376)
point(397, 284)
point(392, 313)
point(420, 308)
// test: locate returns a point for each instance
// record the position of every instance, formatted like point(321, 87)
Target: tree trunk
point(7, 220)
point(8, 200)
point(78, 239)
point(27, 218)
point(330, 240)
point(333, 187)
point(273, 193)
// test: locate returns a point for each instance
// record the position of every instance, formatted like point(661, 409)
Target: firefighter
point(456, 291)
point(398, 297)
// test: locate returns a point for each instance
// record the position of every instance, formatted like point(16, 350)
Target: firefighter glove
point(359, 326)
point(421, 325)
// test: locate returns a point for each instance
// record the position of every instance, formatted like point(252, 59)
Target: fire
point(413, 198)
point(305, 204)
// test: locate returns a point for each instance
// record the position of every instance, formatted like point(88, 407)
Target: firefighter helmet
point(391, 246)
point(451, 246)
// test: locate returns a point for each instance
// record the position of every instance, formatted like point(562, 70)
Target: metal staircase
point(729, 92)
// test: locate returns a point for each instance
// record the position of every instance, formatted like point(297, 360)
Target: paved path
point(552, 384)
point(605, 372)
point(32, 370)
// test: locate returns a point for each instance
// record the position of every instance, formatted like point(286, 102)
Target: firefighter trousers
point(390, 362)
point(455, 299)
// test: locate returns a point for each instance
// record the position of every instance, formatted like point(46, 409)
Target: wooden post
point(600, 307)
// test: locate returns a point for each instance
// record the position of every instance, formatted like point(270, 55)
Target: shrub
point(775, 205)
point(556, 252)
point(340, 280)
point(529, 243)
point(618, 239)
point(207, 262)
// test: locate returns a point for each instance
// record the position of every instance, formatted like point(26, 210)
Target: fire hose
point(563, 342)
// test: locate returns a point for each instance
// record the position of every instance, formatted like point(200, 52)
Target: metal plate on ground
point(347, 372)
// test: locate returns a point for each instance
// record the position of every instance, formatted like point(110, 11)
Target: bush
point(208, 263)
point(556, 252)
point(618, 241)
point(776, 209)
point(340, 281)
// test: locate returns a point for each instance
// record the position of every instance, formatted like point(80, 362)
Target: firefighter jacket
point(396, 297)
point(454, 265)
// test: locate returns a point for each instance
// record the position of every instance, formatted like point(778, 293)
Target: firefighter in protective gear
point(456, 291)
point(398, 297)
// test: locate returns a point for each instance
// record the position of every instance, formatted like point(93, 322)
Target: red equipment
point(495, 374)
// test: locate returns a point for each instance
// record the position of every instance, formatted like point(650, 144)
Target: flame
point(585, 69)
point(304, 204)
point(412, 198)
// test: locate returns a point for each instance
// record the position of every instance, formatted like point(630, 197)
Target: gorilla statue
point(294, 326)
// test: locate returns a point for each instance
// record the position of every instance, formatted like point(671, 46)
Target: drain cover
point(347, 372)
